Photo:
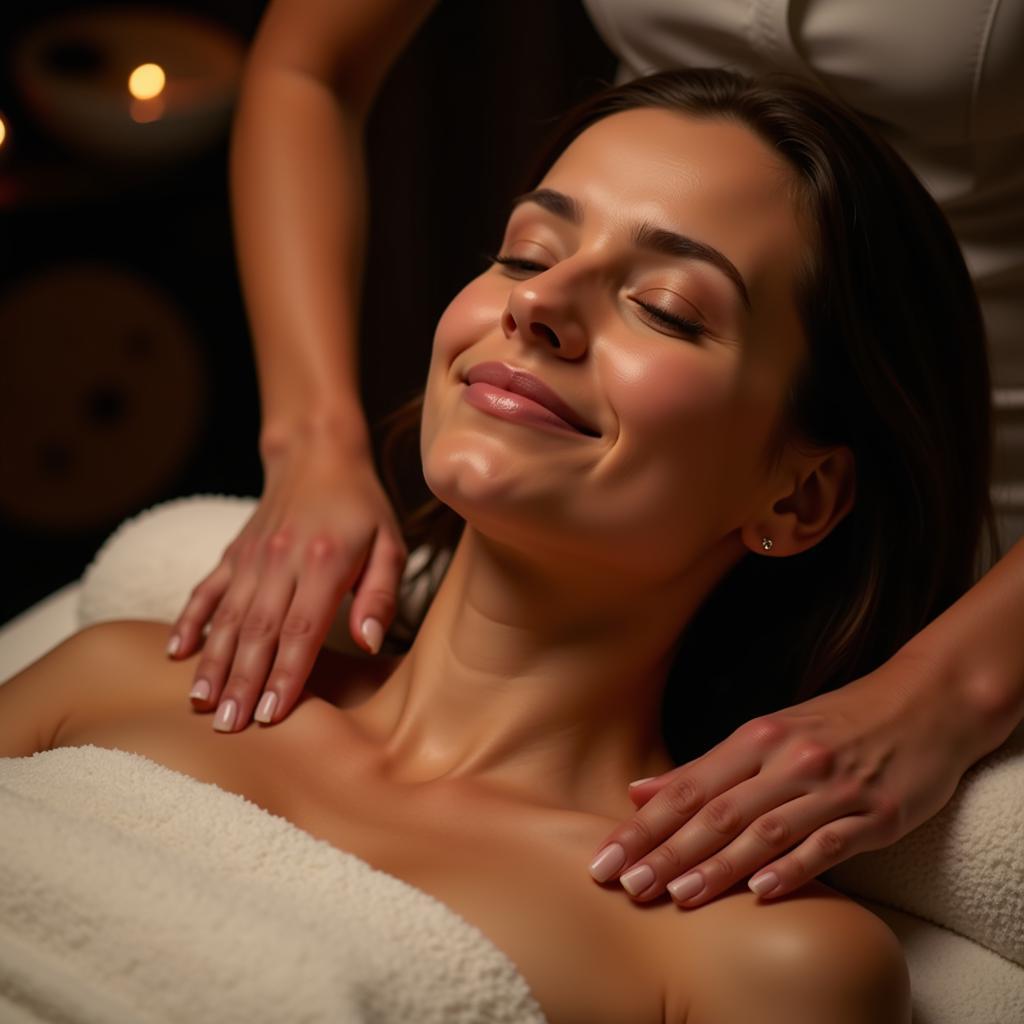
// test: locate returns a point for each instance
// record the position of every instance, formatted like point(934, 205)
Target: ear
point(817, 496)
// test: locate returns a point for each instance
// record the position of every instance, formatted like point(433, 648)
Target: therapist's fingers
point(835, 839)
point(375, 593)
point(737, 833)
point(643, 789)
point(681, 793)
point(322, 584)
point(218, 651)
point(206, 595)
point(244, 667)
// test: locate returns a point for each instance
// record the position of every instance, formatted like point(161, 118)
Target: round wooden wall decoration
point(102, 393)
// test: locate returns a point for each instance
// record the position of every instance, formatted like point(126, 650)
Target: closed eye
point(692, 328)
point(512, 261)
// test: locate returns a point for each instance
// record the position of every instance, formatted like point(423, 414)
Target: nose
point(543, 313)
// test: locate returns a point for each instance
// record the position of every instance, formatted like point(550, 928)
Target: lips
point(520, 382)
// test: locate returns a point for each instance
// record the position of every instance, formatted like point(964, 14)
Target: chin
point(471, 477)
point(502, 507)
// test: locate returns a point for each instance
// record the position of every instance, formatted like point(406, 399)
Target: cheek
point(654, 386)
point(468, 317)
point(671, 398)
point(471, 315)
point(683, 455)
point(463, 465)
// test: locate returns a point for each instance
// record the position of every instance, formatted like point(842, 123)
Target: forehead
point(710, 178)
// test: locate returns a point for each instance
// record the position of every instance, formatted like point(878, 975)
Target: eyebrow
point(644, 236)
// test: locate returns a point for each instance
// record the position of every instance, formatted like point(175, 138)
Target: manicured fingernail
point(201, 691)
point(172, 645)
point(687, 886)
point(635, 880)
point(225, 720)
point(265, 710)
point(640, 782)
point(764, 884)
point(607, 862)
point(373, 634)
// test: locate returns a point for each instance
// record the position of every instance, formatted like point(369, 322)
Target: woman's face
point(679, 415)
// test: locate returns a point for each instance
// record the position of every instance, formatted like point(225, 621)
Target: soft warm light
point(3, 130)
point(147, 81)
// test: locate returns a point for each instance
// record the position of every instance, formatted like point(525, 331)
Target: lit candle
point(145, 84)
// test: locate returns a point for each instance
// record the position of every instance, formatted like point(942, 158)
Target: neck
point(534, 679)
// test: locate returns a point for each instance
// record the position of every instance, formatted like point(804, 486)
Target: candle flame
point(147, 81)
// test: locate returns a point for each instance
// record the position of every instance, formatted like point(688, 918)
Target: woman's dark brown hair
point(896, 370)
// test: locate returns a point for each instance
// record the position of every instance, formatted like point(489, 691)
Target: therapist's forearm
point(299, 199)
point(298, 192)
point(977, 646)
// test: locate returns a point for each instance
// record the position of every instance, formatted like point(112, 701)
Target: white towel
point(131, 892)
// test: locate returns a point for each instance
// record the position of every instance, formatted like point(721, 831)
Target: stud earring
point(767, 543)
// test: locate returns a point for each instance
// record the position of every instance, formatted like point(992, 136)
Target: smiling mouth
point(514, 393)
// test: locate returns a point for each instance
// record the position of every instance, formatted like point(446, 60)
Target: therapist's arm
point(977, 645)
point(324, 524)
point(299, 199)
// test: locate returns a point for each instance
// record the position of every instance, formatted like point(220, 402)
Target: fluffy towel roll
point(963, 868)
point(131, 892)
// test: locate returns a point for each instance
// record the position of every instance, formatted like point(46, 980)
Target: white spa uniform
point(942, 81)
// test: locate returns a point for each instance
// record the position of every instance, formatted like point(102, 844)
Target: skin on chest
point(515, 872)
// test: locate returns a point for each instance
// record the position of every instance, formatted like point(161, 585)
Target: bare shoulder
point(812, 956)
point(90, 668)
point(120, 667)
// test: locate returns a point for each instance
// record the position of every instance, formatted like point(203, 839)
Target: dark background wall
point(126, 374)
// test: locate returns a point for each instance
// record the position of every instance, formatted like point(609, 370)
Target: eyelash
point(692, 327)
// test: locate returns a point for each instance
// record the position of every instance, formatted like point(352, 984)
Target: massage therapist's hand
point(788, 795)
point(323, 526)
